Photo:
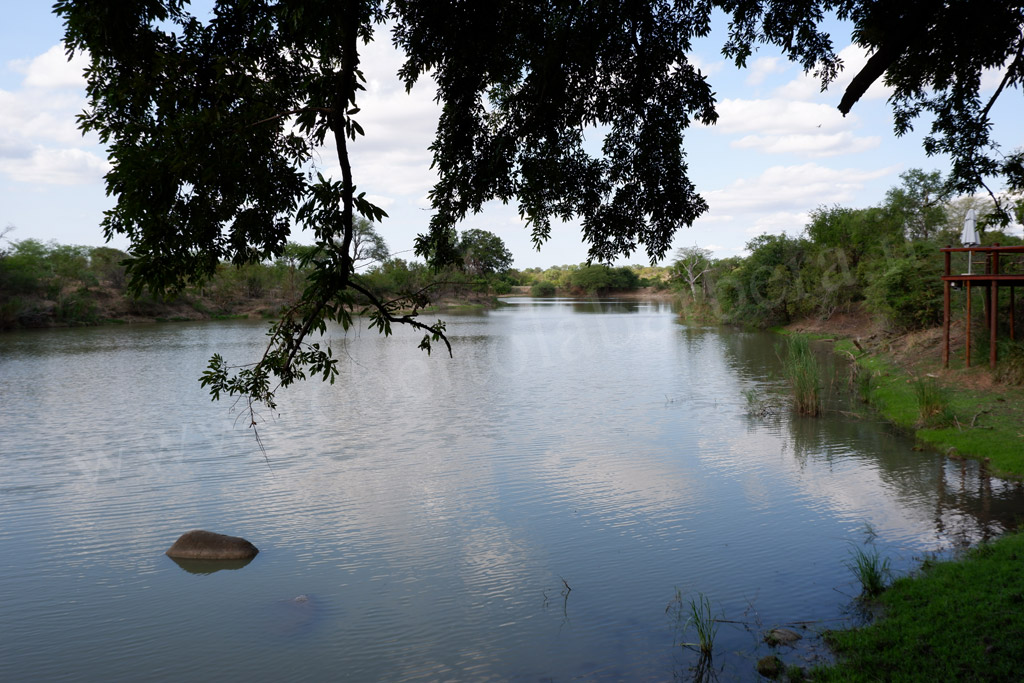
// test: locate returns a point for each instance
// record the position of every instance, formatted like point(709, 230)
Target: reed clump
point(804, 376)
point(695, 614)
point(933, 407)
point(872, 571)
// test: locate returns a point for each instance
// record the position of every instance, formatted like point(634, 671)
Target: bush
point(599, 277)
point(908, 291)
point(542, 289)
point(77, 309)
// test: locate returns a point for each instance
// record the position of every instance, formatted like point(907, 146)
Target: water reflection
point(209, 566)
point(868, 469)
point(437, 508)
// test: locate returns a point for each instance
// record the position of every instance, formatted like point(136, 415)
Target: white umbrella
point(969, 238)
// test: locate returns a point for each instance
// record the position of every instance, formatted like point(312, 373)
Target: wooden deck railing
point(991, 279)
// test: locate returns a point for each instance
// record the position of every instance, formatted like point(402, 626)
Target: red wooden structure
point(990, 280)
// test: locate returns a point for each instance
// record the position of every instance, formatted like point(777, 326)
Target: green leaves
point(522, 84)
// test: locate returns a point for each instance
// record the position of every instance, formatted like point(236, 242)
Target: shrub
point(501, 287)
point(908, 291)
point(542, 289)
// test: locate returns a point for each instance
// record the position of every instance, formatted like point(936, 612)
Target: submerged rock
point(206, 545)
point(770, 666)
point(295, 618)
point(782, 636)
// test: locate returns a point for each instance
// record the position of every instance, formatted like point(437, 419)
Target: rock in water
point(770, 667)
point(782, 636)
point(206, 545)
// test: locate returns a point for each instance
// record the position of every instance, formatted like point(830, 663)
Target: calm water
point(433, 511)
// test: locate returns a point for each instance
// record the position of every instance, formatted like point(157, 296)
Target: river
point(426, 517)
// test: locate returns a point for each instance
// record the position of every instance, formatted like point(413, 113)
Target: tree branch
point(1006, 79)
point(385, 312)
point(875, 67)
point(322, 110)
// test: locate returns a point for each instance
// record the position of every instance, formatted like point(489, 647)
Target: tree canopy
point(483, 252)
point(213, 126)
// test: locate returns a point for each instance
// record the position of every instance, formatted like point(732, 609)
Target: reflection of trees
point(968, 504)
point(963, 502)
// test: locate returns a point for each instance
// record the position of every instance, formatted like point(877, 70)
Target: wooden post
point(945, 314)
point(994, 289)
point(1013, 305)
point(993, 309)
point(945, 324)
point(967, 327)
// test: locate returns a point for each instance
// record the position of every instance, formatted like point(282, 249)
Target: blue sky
point(779, 150)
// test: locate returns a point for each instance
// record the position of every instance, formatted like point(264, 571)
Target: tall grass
point(932, 403)
point(804, 376)
point(871, 570)
point(699, 618)
point(1011, 362)
point(865, 383)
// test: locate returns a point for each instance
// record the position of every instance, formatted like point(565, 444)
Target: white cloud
point(392, 159)
point(52, 69)
point(39, 139)
point(41, 115)
point(778, 117)
point(764, 67)
point(806, 87)
point(706, 68)
point(781, 222)
point(809, 145)
point(790, 189)
point(53, 166)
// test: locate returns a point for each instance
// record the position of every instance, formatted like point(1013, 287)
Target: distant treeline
point(43, 284)
point(884, 258)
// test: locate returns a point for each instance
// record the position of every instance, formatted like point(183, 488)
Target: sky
point(779, 150)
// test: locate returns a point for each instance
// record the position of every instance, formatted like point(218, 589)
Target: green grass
point(955, 621)
point(703, 622)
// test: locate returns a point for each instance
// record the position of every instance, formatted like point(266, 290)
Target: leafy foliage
point(908, 289)
point(919, 203)
point(483, 252)
point(602, 278)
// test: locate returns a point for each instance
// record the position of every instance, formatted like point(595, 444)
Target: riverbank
point(960, 620)
point(956, 620)
point(967, 412)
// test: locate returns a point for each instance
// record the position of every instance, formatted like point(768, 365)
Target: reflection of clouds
point(433, 500)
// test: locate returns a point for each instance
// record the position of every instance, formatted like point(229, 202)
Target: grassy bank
point(955, 621)
point(960, 411)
